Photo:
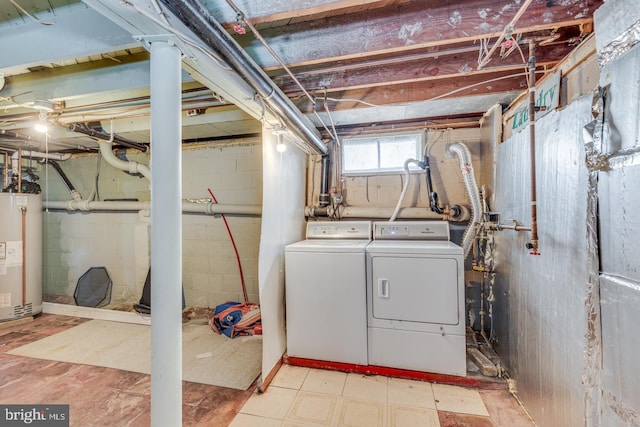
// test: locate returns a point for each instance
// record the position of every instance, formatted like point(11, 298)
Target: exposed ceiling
point(369, 63)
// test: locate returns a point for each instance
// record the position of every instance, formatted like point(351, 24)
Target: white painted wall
point(282, 223)
point(76, 241)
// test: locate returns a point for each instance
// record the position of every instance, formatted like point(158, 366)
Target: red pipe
point(233, 242)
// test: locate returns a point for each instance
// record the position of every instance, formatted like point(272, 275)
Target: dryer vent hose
point(471, 187)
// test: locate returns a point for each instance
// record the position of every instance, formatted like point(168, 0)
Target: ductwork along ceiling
point(369, 63)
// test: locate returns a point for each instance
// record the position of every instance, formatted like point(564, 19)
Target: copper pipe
point(19, 171)
point(6, 168)
point(24, 255)
point(533, 246)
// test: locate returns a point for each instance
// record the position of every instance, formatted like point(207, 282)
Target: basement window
point(380, 153)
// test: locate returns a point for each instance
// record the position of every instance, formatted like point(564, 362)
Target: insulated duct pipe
point(107, 137)
point(196, 17)
point(471, 187)
point(131, 167)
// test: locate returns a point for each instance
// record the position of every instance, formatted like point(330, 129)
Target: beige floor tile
point(274, 403)
point(244, 420)
point(358, 386)
point(406, 416)
point(290, 377)
point(322, 381)
point(361, 413)
point(411, 393)
point(458, 399)
point(316, 408)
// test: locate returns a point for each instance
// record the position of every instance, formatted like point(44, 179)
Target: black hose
point(106, 137)
point(433, 196)
point(63, 175)
point(324, 182)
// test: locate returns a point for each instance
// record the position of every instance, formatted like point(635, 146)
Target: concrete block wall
point(76, 241)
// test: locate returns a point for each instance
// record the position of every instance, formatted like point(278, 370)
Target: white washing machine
point(325, 283)
point(415, 298)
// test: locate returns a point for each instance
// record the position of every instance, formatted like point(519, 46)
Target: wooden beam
point(407, 27)
point(404, 70)
point(422, 91)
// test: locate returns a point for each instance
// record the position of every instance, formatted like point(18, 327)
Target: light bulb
point(280, 147)
point(41, 127)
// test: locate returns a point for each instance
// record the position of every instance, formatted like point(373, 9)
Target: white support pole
point(166, 235)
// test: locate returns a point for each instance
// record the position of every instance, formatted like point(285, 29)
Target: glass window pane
point(360, 156)
point(394, 151)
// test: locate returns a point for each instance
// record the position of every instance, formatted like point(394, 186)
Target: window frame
point(377, 138)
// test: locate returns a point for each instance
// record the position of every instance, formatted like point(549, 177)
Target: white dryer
point(415, 298)
point(325, 283)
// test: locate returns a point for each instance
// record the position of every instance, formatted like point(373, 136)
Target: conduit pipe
point(471, 187)
point(196, 17)
point(127, 166)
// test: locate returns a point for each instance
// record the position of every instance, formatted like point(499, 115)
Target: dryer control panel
point(411, 230)
point(339, 230)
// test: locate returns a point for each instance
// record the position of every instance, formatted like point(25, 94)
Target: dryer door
point(415, 289)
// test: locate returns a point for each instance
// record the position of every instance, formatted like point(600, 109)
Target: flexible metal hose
point(471, 187)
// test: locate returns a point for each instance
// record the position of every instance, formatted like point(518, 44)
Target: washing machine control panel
point(411, 230)
point(339, 230)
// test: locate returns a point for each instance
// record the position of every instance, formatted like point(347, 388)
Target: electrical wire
point(235, 249)
point(38, 20)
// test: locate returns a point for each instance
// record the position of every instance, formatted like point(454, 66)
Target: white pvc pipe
point(36, 155)
point(131, 167)
point(405, 213)
point(187, 207)
point(166, 235)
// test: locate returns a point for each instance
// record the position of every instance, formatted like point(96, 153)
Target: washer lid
point(318, 245)
point(430, 247)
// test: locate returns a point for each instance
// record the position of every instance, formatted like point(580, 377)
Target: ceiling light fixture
point(42, 125)
point(279, 132)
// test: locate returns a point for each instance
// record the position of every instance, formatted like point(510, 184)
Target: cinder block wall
point(76, 241)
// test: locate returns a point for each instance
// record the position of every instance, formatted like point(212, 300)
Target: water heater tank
point(20, 255)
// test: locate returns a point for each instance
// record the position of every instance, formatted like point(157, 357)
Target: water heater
point(20, 255)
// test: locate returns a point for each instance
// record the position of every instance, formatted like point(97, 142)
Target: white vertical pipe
point(166, 236)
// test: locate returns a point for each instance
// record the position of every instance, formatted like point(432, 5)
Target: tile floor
point(312, 397)
point(297, 396)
